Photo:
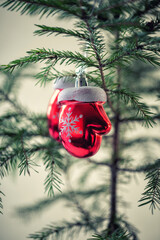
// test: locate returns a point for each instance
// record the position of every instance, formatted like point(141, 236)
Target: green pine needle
point(50, 56)
point(142, 109)
point(151, 195)
point(59, 31)
point(42, 7)
point(1, 205)
point(57, 232)
point(96, 237)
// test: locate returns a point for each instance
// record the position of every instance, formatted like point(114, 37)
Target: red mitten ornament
point(82, 120)
point(54, 107)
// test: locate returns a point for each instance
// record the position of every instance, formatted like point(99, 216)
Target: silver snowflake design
point(69, 124)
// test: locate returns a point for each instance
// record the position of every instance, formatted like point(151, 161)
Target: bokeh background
point(16, 37)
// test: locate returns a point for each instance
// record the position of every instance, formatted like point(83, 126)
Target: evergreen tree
point(122, 46)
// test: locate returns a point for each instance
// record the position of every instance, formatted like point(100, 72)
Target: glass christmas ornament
point(54, 107)
point(82, 120)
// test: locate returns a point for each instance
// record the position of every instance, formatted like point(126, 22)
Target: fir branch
point(9, 116)
point(68, 75)
point(140, 140)
point(41, 205)
point(116, 5)
point(26, 164)
point(151, 26)
point(60, 31)
point(17, 131)
point(19, 113)
point(8, 162)
point(147, 7)
point(137, 52)
point(13, 151)
point(86, 215)
point(96, 237)
point(34, 56)
point(52, 161)
point(142, 109)
point(139, 119)
point(98, 48)
point(151, 195)
point(13, 102)
point(40, 55)
point(147, 57)
point(143, 168)
point(10, 129)
point(58, 231)
point(119, 234)
point(52, 180)
point(98, 162)
point(42, 7)
point(1, 205)
point(45, 75)
point(120, 23)
point(129, 228)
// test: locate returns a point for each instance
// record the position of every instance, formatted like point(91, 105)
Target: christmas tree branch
point(142, 109)
point(140, 140)
point(52, 180)
point(143, 168)
point(1, 205)
point(85, 214)
point(58, 231)
point(117, 5)
point(148, 7)
point(99, 60)
point(112, 225)
point(8, 162)
point(40, 55)
point(65, 227)
point(45, 75)
point(11, 101)
point(25, 166)
point(98, 163)
point(60, 31)
point(124, 231)
point(19, 114)
point(10, 155)
point(19, 137)
point(42, 7)
point(151, 195)
point(119, 234)
point(41, 205)
point(139, 119)
point(124, 56)
point(121, 23)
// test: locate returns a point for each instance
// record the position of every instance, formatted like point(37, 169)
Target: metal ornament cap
point(83, 94)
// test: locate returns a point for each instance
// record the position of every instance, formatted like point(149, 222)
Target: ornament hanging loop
point(81, 77)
